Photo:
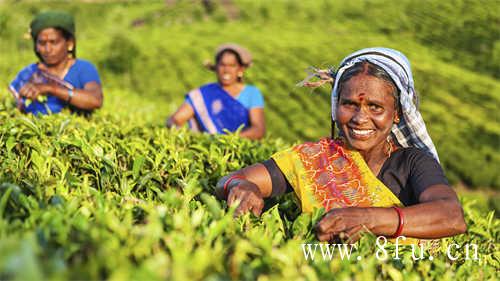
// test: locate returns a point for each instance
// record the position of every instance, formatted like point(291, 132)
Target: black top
point(407, 173)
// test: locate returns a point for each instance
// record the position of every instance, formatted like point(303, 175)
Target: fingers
point(29, 91)
point(354, 234)
point(247, 201)
point(257, 208)
point(329, 222)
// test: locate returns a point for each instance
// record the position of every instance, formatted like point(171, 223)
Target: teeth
point(362, 132)
point(226, 76)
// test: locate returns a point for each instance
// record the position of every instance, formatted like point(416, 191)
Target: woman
point(58, 80)
point(381, 174)
point(228, 104)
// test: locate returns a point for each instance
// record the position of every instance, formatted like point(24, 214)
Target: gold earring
point(396, 120)
point(240, 74)
point(389, 149)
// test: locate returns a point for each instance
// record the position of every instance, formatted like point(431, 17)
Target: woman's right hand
point(249, 187)
point(248, 195)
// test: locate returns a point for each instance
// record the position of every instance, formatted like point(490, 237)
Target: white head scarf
point(411, 130)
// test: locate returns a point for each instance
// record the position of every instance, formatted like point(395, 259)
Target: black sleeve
point(279, 182)
point(425, 171)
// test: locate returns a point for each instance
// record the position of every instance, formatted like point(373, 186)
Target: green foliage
point(112, 198)
point(122, 53)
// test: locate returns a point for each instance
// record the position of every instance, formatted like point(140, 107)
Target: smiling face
point(366, 112)
point(52, 46)
point(228, 68)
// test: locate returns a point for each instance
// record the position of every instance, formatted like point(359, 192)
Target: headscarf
point(54, 19)
point(48, 19)
point(244, 55)
point(411, 130)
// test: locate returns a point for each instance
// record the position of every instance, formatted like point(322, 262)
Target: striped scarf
point(411, 130)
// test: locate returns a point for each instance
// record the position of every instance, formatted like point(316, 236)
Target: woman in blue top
point(59, 79)
point(225, 105)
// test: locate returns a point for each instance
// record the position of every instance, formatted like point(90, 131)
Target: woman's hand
point(346, 223)
point(248, 195)
point(32, 91)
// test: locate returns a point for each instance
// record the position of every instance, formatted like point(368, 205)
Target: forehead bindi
point(365, 87)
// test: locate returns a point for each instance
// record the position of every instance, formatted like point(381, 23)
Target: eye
point(375, 107)
point(348, 104)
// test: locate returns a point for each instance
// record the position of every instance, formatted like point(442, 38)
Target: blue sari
point(32, 74)
point(215, 110)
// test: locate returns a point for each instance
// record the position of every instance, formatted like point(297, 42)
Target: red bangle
point(401, 222)
point(229, 180)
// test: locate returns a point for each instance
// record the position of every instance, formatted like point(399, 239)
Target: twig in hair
point(324, 76)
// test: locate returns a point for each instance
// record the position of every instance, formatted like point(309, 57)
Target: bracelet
point(229, 180)
point(401, 222)
point(70, 95)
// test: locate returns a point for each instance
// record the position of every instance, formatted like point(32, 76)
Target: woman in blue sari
point(228, 104)
point(59, 79)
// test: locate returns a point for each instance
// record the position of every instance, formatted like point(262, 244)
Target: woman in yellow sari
point(381, 173)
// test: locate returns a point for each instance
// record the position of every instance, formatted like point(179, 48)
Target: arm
point(181, 116)
point(88, 98)
point(257, 128)
point(439, 214)
point(250, 191)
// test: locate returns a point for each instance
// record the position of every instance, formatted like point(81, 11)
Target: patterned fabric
point(215, 110)
point(411, 130)
point(326, 174)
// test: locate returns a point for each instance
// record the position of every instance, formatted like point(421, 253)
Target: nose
point(45, 48)
point(360, 116)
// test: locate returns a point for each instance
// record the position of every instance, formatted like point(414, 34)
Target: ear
point(71, 45)
point(396, 118)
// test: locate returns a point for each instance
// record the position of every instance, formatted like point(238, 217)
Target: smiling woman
point(380, 174)
point(58, 80)
point(227, 104)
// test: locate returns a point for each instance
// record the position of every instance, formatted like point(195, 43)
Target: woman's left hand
point(345, 223)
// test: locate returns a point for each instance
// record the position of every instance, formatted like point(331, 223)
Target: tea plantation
point(118, 196)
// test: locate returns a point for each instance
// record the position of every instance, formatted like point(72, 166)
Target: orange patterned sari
point(327, 174)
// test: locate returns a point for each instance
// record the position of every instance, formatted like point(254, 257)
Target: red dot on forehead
point(361, 96)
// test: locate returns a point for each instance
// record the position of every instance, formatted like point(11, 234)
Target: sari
point(326, 174)
point(44, 104)
point(216, 110)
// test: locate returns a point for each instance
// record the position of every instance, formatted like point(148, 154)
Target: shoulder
point(314, 147)
point(421, 168)
point(84, 64)
point(252, 90)
point(251, 97)
point(23, 76)
point(207, 86)
point(414, 156)
point(28, 69)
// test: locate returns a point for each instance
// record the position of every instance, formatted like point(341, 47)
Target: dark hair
point(365, 67)
point(66, 35)
point(218, 57)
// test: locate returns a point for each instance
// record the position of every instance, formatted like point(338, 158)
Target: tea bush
point(112, 198)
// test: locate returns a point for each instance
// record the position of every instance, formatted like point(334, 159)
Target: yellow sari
point(326, 174)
